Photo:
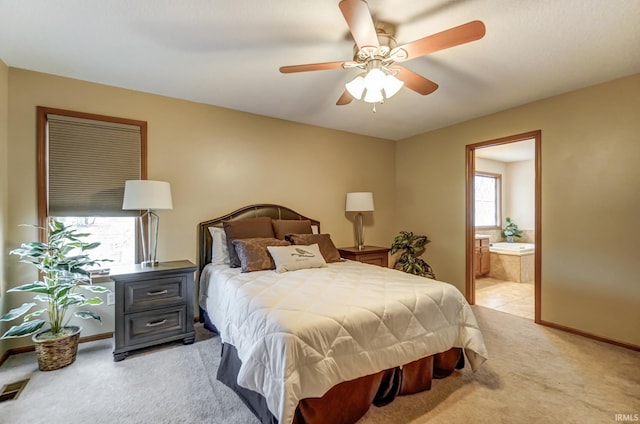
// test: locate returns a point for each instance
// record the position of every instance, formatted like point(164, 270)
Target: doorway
point(504, 171)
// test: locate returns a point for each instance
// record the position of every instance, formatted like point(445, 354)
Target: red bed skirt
point(347, 402)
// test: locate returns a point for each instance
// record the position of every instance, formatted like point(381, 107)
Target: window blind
point(88, 163)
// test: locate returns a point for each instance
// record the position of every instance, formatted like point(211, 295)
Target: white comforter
point(299, 333)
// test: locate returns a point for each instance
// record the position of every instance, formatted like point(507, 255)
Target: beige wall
point(590, 202)
point(217, 160)
point(4, 175)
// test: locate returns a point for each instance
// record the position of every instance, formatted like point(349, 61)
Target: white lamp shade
point(359, 202)
point(147, 194)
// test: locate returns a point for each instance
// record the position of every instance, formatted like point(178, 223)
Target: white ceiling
point(227, 53)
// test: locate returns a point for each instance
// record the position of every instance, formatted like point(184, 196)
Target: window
point(487, 188)
point(83, 163)
point(117, 236)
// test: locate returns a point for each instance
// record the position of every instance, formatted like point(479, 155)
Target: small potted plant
point(411, 246)
point(510, 231)
point(62, 262)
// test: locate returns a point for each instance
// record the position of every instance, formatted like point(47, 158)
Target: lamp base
point(359, 231)
point(149, 235)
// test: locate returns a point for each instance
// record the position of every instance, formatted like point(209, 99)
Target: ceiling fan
point(377, 54)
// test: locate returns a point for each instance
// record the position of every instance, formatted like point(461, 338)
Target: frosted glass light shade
point(374, 80)
point(392, 85)
point(147, 194)
point(373, 96)
point(356, 87)
point(359, 202)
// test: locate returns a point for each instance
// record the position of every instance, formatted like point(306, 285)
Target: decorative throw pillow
point(253, 253)
point(282, 227)
point(327, 248)
point(245, 228)
point(291, 258)
point(219, 248)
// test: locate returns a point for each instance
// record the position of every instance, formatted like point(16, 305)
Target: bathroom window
point(487, 200)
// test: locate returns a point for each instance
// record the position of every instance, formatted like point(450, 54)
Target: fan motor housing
point(387, 43)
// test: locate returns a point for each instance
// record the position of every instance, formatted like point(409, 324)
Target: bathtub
point(512, 262)
point(515, 249)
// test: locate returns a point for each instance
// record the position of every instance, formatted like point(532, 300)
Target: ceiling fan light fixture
point(392, 85)
point(356, 87)
point(374, 80)
point(373, 96)
point(375, 52)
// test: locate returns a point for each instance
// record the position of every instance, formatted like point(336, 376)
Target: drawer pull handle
point(157, 323)
point(157, 293)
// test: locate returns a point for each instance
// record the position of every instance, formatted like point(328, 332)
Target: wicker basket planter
point(54, 354)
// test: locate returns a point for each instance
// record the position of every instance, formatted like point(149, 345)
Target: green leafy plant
point(511, 230)
point(411, 246)
point(62, 264)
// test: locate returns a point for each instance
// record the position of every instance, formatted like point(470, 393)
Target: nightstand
point(369, 254)
point(153, 305)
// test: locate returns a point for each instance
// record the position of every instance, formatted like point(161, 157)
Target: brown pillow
point(327, 248)
point(245, 228)
point(282, 227)
point(253, 253)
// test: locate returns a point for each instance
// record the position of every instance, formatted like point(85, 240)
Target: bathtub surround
point(512, 262)
point(517, 268)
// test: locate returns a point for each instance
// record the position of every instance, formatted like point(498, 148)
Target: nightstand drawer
point(373, 255)
point(374, 259)
point(147, 326)
point(154, 293)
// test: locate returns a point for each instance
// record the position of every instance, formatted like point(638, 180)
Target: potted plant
point(510, 231)
point(62, 262)
point(411, 246)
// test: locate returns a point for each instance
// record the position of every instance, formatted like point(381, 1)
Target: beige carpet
point(535, 375)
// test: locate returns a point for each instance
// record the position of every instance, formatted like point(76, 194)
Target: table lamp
point(148, 195)
point(359, 202)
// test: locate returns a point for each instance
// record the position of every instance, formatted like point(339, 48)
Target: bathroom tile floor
point(506, 296)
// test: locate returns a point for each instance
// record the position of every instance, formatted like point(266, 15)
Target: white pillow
point(291, 258)
point(219, 248)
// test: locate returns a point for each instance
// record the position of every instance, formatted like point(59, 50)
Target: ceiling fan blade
point(312, 67)
point(360, 22)
point(415, 82)
point(345, 99)
point(452, 37)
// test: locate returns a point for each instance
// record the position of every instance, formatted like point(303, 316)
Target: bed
point(319, 339)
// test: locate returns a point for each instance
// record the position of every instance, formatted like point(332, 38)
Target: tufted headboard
point(253, 211)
